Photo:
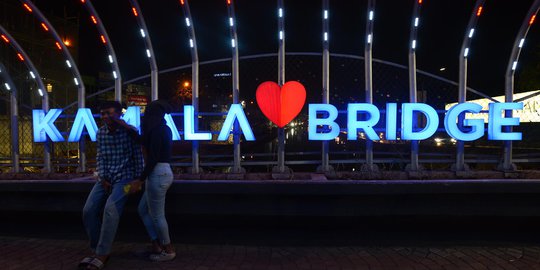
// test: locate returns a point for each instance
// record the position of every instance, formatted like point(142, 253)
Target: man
point(119, 161)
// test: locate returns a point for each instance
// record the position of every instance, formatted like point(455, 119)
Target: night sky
point(441, 31)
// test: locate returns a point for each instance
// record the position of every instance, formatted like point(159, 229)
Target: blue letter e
point(497, 121)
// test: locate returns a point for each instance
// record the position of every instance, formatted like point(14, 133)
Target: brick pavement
point(39, 253)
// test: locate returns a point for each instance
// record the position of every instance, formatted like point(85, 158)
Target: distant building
point(529, 114)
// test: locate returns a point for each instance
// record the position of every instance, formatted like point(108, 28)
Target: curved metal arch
point(418, 71)
point(281, 168)
point(325, 156)
point(368, 49)
point(235, 83)
point(465, 47)
point(12, 88)
point(412, 75)
point(108, 45)
point(325, 53)
point(8, 82)
point(462, 87)
point(262, 55)
point(194, 80)
point(34, 73)
point(509, 77)
point(145, 34)
point(281, 42)
point(368, 73)
point(70, 62)
point(234, 51)
point(516, 49)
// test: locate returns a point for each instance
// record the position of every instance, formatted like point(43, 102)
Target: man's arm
point(131, 130)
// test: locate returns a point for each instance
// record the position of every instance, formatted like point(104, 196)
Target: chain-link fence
point(346, 86)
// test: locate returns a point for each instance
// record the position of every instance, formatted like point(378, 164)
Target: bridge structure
point(237, 165)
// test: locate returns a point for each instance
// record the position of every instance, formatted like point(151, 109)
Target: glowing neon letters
point(320, 115)
point(44, 124)
point(83, 119)
point(325, 115)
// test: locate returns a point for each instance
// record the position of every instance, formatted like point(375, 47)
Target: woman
point(157, 142)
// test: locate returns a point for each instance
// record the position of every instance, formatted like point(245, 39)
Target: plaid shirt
point(119, 156)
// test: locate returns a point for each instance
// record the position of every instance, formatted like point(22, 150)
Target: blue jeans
point(152, 204)
point(101, 228)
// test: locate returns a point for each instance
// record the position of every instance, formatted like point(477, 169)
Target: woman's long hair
point(153, 117)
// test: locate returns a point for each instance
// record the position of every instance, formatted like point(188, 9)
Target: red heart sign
point(281, 104)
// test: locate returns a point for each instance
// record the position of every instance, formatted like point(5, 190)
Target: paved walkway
point(38, 253)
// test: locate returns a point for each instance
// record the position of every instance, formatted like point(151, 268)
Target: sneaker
point(145, 252)
point(163, 256)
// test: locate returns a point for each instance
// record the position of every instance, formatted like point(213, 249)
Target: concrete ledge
point(498, 197)
point(302, 187)
point(295, 176)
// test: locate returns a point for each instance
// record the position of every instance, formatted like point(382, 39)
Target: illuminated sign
point(320, 115)
point(281, 104)
point(496, 121)
point(44, 124)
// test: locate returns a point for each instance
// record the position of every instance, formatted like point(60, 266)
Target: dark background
point(441, 32)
